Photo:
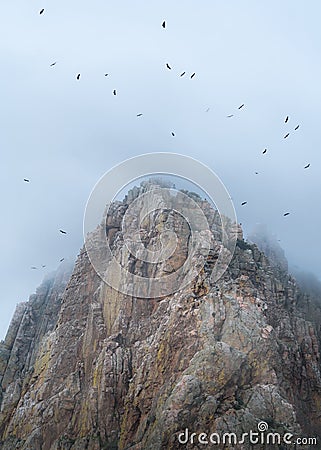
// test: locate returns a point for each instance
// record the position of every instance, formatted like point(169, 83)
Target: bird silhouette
point(78, 76)
point(241, 106)
point(286, 119)
point(296, 127)
point(173, 134)
point(182, 74)
point(307, 166)
point(140, 114)
point(42, 11)
point(106, 74)
point(43, 266)
point(193, 75)
point(287, 134)
point(164, 24)
point(168, 66)
point(256, 173)
point(26, 180)
point(243, 203)
point(264, 151)
point(62, 259)
point(53, 64)
point(286, 214)
point(33, 268)
point(114, 92)
point(231, 115)
point(63, 232)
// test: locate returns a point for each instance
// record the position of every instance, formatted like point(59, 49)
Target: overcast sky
point(63, 134)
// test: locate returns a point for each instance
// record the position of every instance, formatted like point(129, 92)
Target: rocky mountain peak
point(87, 366)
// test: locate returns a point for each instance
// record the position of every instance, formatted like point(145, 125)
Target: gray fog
point(63, 134)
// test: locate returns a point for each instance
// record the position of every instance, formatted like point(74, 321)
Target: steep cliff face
point(86, 367)
point(31, 323)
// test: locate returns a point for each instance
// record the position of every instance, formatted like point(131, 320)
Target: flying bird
point(182, 74)
point(193, 75)
point(53, 64)
point(164, 24)
point(173, 134)
point(207, 110)
point(26, 180)
point(296, 127)
point(78, 76)
point(307, 166)
point(114, 92)
point(231, 115)
point(256, 173)
point(63, 232)
point(106, 74)
point(286, 119)
point(42, 11)
point(62, 259)
point(243, 203)
point(168, 66)
point(140, 114)
point(33, 268)
point(241, 106)
point(264, 151)
point(286, 214)
point(287, 134)
point(43, 265)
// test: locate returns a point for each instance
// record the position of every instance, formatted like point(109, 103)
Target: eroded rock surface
point(86, 367)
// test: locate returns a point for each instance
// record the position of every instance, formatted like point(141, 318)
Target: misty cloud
point(63, 134)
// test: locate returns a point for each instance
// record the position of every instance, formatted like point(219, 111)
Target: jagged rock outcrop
point(31, 323)
point(96, 369)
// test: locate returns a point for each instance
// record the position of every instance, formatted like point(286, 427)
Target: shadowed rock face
point(86, 367)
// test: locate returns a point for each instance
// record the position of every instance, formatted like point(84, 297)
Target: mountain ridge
point(104, 370)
